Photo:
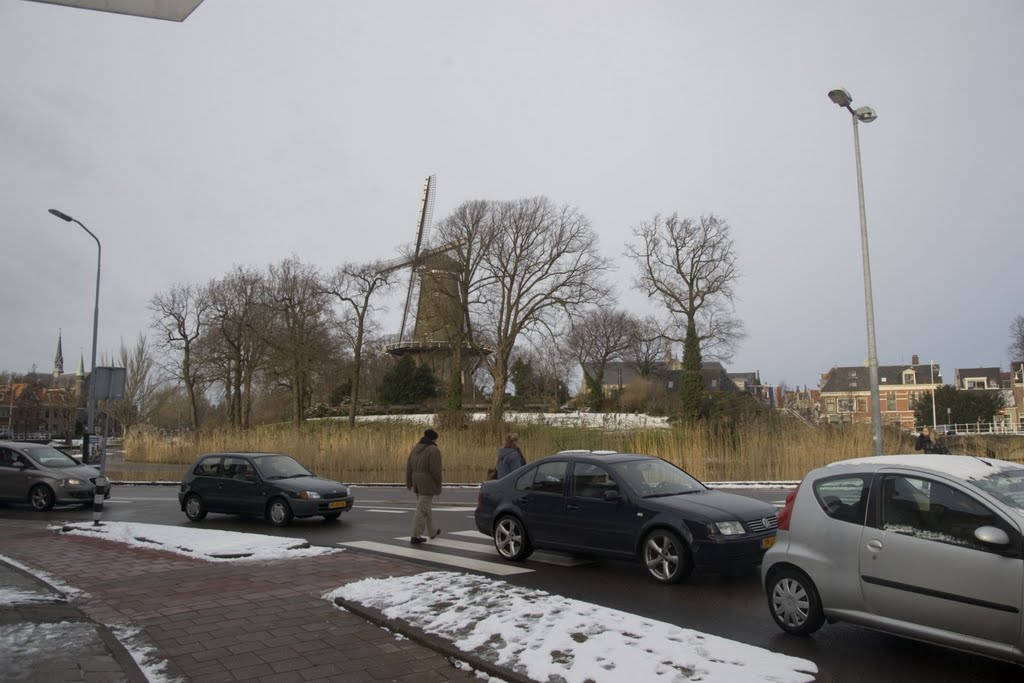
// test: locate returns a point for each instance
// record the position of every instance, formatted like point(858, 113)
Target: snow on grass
point(205, 544)
point(549, 637)
point(152, 666)
point(574, 419)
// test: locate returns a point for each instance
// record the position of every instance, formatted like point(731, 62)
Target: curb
point(129, 667)
point(441, 645)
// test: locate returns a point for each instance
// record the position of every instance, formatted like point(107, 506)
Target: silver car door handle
point(874, 545)
point(572, 506)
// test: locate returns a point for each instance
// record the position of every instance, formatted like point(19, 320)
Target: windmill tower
point(431, 337)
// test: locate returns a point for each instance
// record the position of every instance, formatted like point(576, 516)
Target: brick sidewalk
point(253, 621)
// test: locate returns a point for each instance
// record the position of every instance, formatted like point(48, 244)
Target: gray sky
point(264, 128)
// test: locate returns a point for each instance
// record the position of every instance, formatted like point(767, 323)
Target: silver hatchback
point(44, 476)
point(924, 546)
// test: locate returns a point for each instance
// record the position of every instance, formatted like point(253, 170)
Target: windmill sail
point(422, 238)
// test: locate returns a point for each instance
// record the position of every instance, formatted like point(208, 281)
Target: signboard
point(171, 10)
point(109, 384)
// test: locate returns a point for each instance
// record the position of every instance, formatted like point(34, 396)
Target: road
point(728, 606)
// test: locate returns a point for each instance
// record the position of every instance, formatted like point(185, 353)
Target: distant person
point(423, 477)
point(927, 442)
point(510, 458)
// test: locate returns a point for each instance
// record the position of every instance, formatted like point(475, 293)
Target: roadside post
point(109, 386)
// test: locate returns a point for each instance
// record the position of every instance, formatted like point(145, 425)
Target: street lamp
point(866, 114)
point(935, 422)
point(91, 405)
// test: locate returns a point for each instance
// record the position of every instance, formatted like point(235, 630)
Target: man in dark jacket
point(423, 476)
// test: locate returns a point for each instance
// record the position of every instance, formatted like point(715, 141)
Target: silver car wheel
point(41, 497)
point(662, 556)
point(511, 539)
point(279, 513)
point(790, 602)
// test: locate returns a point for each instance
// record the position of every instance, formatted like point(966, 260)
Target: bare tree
point(597, 338)
point(1016, 348)
point(690, 265)
point(354, 286)
point(647, 348)
point(297, 333)
point(469, 233)
point(234, 343)
point(179, 315)
point(542, 263)
point(140, 384)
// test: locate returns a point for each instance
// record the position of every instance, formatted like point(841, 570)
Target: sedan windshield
point(279, 467)
point(1007, 486)
point(654, 478)
point(47, 456)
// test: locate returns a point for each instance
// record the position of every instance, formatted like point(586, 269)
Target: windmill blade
point(422, 237)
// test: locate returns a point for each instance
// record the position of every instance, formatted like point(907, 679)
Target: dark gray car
point(269, 485)
point(44, 476)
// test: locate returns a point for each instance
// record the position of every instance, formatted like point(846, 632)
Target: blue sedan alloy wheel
point(666, 556)
point(794, 602)
point(510, 539)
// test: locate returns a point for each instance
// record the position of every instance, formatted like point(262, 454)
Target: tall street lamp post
point(866, 114)
point(91, 405)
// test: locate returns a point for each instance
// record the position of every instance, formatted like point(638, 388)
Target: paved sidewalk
point(237, 621)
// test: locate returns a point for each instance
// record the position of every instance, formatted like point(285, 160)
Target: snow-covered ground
point(620, 421)
point(535, 633)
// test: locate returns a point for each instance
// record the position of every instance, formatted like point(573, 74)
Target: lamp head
point(865, 114)
point(61, 215)
point(840, 96)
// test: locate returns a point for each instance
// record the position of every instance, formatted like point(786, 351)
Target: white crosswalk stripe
point(537, 556)
point(417, 553)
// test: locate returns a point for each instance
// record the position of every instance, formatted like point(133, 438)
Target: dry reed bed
point(759, 450)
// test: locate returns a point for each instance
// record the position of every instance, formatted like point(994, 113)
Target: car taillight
point(787, 510)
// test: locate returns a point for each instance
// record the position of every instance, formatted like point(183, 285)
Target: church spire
point(58, 360)
point(81, 366)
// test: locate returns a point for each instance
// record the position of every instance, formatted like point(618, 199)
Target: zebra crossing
point(469, 550)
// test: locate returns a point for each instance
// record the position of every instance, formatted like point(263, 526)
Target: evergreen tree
point(691, 388)
point(407, 383)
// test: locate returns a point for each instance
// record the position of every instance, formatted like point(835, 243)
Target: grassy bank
point(766, 449)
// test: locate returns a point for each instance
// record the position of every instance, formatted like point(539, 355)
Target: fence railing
point(967, 428)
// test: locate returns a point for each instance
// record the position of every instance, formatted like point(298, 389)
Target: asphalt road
point(731, 606)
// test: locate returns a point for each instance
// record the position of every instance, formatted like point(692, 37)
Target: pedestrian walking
point(510, 458)
point(423, 477)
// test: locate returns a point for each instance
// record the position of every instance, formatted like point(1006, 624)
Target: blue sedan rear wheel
point(511, 540)
point(666, 556)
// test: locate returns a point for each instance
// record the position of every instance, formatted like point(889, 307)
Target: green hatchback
point(269, 485)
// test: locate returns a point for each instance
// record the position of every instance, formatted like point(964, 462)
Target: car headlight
point(71, 482)
point(308, 495)
point(728, 528)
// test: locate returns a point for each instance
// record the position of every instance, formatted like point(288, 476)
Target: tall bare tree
point(1016, 348)
point(542, 263)
point(179, 315)
point(355, 286)
point(297, 334)
point(596, 338)
point(469, 232)
point(141, 383)
point(690, 266)
point(234, 341)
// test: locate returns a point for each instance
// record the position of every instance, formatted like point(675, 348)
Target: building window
point(862, 405)
point(909, 377)
point(847, 405)
point(714, 384)
point(830, 405)
point(890, 400)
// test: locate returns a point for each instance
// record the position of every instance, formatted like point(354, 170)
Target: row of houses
point(843, 394)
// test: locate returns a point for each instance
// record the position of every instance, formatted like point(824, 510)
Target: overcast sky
point(260, 129)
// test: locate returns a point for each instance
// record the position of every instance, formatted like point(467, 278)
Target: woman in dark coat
point(510, 458)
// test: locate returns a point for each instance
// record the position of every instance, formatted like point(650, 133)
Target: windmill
point(434, 335)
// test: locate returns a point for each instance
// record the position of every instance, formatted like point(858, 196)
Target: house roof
point(619, 372)
point(855, 378)
point(991, 375)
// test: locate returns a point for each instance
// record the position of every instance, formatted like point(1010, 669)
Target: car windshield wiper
point(293, 476)
point(662, 495)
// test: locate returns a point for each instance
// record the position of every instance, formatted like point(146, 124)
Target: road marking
point(489, 549)
point(464, 508)
point(472, 533)
point(440, 558)
point(393, 512)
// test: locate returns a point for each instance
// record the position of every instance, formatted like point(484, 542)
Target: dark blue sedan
point(624, 506)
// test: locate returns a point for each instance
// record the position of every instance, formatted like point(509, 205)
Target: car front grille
point(763, 524)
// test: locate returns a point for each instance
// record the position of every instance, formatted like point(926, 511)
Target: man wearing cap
point(423, 476)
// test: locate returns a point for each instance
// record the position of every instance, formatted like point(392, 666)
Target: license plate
point(767, 542)
point(338, 504)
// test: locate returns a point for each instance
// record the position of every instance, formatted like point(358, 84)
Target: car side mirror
point(612, 495)
point(990, 535)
